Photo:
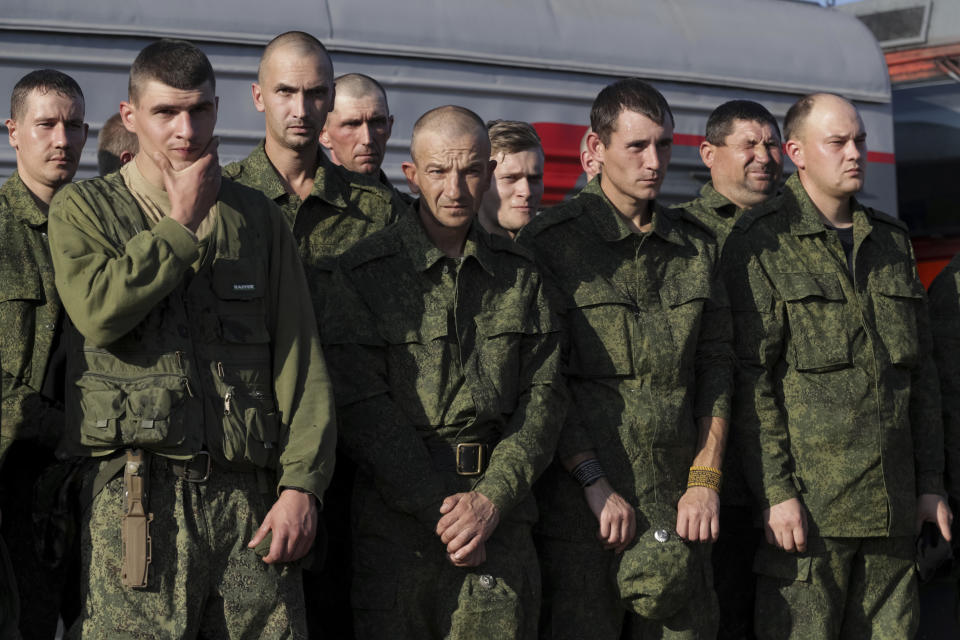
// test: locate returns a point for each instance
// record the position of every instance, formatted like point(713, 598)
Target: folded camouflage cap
point(655, 575)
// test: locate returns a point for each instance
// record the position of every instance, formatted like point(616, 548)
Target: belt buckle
point(470, 458)
point(206, 474)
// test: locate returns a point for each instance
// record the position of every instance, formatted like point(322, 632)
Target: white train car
point(542, 61)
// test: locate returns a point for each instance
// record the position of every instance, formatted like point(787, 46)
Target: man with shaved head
point(329, 208)
point(445, 355)
point(838, 408)
point(358, 127)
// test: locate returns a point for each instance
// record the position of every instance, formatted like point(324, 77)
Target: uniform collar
point(22, 201)
point(328, 183)
point(712, 198)
point(806, 218)
point(612, 227)
point(424, 254)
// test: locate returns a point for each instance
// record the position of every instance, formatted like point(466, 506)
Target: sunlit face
point(357, 131)
point(517, 190)
point(747, 166)
point(295, 93)
point(634, 162)
point(177, 123)
point(48, 137)
point(451, 172)
point(830, 150)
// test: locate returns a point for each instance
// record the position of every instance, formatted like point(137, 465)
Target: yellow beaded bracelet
point(708, 477)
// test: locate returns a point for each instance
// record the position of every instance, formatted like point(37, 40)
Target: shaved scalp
point(801, 109)
point(357, 85)
point(300, 42)
point(452, 121)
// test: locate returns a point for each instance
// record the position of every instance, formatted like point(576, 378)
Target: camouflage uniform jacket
point(342, 208)
point(649, 352)
point(945, 325)
point(182, 345)
point(29, 313)
point(404, 198)
point(837, 396)
point(430, 351)
point(714, 210)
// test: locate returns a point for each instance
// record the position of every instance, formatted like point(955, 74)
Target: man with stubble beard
point(329, 208)
point(47, 131)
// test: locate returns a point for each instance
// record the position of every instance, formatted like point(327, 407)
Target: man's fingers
point(714, 528)
point(682, 527)
point(465, 549)
point(260, 534)
point(705, 533)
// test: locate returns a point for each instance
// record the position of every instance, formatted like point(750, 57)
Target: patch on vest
point(240, 286)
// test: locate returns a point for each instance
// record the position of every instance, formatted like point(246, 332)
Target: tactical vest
point(195, 373)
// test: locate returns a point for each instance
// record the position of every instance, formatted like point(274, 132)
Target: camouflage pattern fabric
point(840, 588)
point(403, 582)
point(823, 356)
point(29, 313)
point(202, 579)
point(715, 210)
point(579, 594)
point(837, 404)
point(428, 351)
point(649, 333)
point(343, 207)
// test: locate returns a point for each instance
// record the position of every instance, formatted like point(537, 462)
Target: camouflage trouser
point(839, 588)
point(733, 579)
point(405, 588)
point(202, 579)
point(580, 601)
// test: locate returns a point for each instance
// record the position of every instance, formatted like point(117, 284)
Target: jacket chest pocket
point(684, 298)
point(499, 335)
point(600, 335)
point(417, 356)
point(816, 314)
point(147, 411)
point(895, 304)
point(241, 314)
point(20, 299)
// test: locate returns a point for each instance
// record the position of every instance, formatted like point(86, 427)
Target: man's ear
point(128, 117)
point(595, 146)
point(11, 125)
point(410, 173)
point(257, 94)
point(794, 151)
point(707, 152)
